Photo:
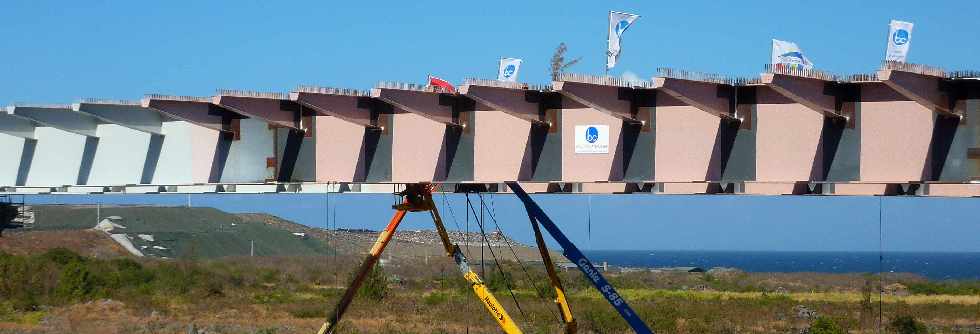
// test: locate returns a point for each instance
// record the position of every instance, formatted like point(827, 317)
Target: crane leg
point(575, 255)
point(483, 293)
point(379, 245)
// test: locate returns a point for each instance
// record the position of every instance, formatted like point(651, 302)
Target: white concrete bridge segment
point(128, 114)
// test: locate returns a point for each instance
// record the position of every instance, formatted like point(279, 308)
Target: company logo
point(509, 70)
point(621, 27)
point(900, 37)
point(793, 57)
point(591, 135)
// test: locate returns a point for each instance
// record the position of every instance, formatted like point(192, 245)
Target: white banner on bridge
point(592, 139)
point(899, 37)
point(789, 55)
point(508, 69)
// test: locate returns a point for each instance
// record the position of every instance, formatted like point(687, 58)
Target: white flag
point(790, 55)
point(899, 37)
point(618, 22)
point(508, 69)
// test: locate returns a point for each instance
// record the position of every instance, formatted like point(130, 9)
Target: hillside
point(85, 242)
point(174, 232)
point(181, 232)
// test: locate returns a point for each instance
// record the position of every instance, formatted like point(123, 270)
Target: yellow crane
point(418, 197)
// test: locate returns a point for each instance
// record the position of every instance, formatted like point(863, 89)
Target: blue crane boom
point(575, 255)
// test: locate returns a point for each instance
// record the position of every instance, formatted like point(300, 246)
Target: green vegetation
point(967, 288)
point(906, 324)
point(824, 325)
point(375, 286)
point(293, 294)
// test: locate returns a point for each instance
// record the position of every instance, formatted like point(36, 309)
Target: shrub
point(499, 280)
point(61, 256)
point(375, 286)
point(307, 310)
point(945, 288)
point(77, 282)
point(435, 298)
point(825, 325)
point(906, 324)
point(603, 321)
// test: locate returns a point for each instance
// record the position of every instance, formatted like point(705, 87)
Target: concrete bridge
point(905, 129)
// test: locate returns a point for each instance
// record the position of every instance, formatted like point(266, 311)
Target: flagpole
point(605, 66)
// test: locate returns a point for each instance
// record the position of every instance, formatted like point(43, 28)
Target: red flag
point(434, 81)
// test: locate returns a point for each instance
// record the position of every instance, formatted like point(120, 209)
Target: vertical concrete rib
point(16, 135)
point(66, 147)
point(148, 126)
point(701, 134)
point(511, 130)
point(801, 120)
point(633, 104)
point(351, 134)
point(432, 135)
point(280, 113)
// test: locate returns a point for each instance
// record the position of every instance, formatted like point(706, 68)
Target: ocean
point(937, 266)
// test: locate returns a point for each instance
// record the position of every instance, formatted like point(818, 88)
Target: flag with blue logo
point(789, 55)
point(618, 22)
point(508, 69)
point(899, 37)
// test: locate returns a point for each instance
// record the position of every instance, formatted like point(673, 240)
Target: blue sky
point(57, 51)
point(642, 221)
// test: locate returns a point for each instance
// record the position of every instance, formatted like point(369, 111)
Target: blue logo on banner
point(591, 135)
point(793, 57)
point(509, 70)
point(621, 27)
point(900, 37)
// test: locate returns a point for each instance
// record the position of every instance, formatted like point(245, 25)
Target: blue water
point(930, 265)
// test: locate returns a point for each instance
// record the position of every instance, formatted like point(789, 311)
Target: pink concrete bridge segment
point(424, 102)
point(790, 134)
point(949, 190)
point(510, 132)
point(699, 94)
point(613, 100)
point(514, 101)
point(349, 105)
point(808, 92)
point(187, 154)
point(687, 141)
point(197, 110)
point(340, 146)
point(417, 148)
point(500, 146)
point(896, 133)
point(612, 105)
point(432, 133)
point(274, 108)
point(589, 167)
point(352, 136)
point(921, 88)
